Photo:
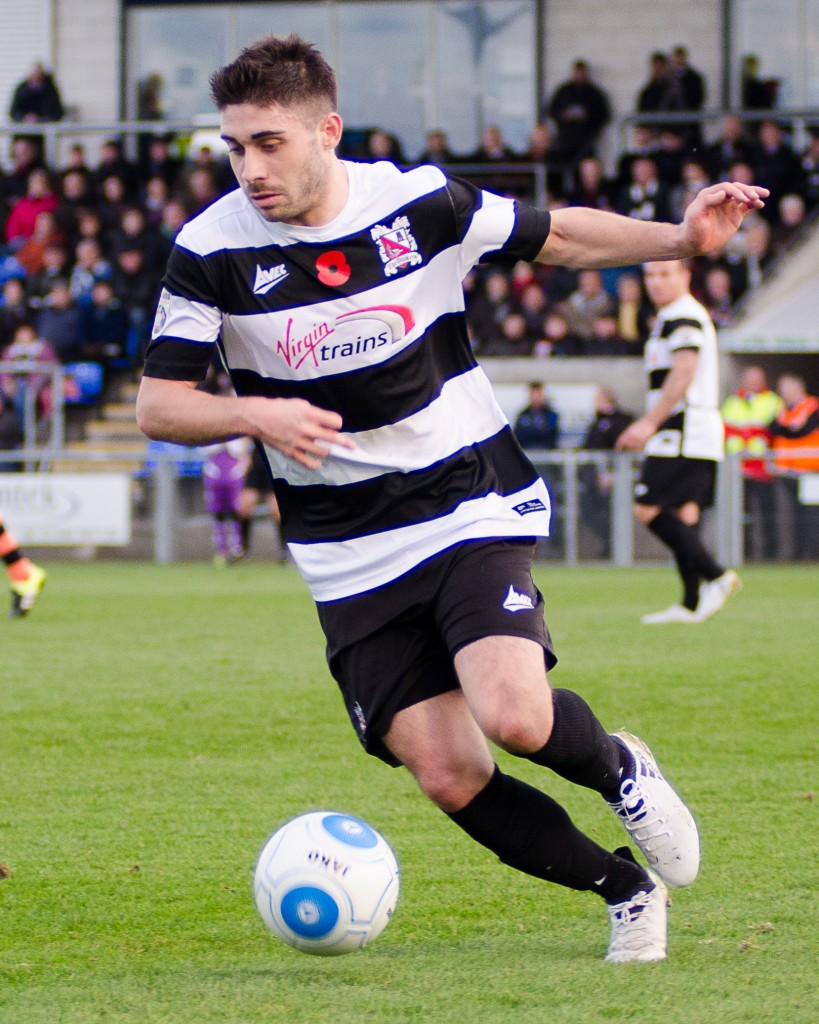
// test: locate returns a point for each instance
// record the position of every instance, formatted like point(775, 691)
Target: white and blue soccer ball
point(326, 883)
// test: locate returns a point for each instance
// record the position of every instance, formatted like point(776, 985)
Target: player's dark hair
point(288, 72)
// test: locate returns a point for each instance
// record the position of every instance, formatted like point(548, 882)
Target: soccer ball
point(326, 883)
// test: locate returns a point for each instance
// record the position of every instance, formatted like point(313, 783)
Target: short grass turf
point(158, 722)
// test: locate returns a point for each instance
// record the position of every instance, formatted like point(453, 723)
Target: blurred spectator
point(113, 163)
point(381, 145)
point(14, 309)
point(748, 415)
point(154, 197)
point(133, 232)
point(174, 215)
point(59, 321)
point(492, 148)
point(137, 288)
point(670, 154)
point(590, 186)
point(605, 338)
point(645, 197)
point(39, 196)
point(512, 340)
point(75, 194)
point(795, 433)
point(90, 266)
point(789, 222)
point(809, 163)
point(555, 338)
point(532, 306)
point(104, 328)
point(589, 301)
point(25, 346)
point(89, 225)
point(775, 165)
point(596, 479)
point(198, 189)
point(581, 110)
point(717, 296)
point(756, 93)
point(46, 232)
point(687, 92)
point(633, 313)
point(730, 147)
point(54, 265)
point(540, 149)
point(113, 202)
point(694, 177)
point(158, 161)
point(76, 160)
point(436, 149)
point(641, 143)
point(653, 97)
point(537, 424)
point(36, 99)
point(25, 158)
point(11, 433)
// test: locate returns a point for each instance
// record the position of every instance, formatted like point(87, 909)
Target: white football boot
point(676, 613)
point(656, 818)
point(714, 595)
point(639, 927)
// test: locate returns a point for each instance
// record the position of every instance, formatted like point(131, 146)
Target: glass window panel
point(183, 46)
point(312, 21)
point(486, 67)
point(382, 62)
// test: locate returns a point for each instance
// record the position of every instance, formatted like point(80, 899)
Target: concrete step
point(111, 430)
point(119, 411)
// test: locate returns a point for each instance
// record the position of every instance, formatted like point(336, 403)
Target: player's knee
point(644, 513)
point(523, 730)
point(452, 787)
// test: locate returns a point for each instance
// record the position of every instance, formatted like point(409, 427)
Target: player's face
point(666, 281)
point(283, 162)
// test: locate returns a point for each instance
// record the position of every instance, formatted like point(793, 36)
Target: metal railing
point(28, 402)
point(166, 505)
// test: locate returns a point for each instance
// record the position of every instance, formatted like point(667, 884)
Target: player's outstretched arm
point(169, 410)
point(585, 238)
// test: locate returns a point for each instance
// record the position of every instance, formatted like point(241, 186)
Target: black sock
point(531, 832)
point(244, 526)
point(691, 554)
point(691, 581)
point(579, 748)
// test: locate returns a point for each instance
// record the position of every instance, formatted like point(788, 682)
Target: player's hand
point(299, 430)
point(635, 435)
point(716, 213)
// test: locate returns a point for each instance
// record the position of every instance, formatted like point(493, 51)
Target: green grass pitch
point(158, 722)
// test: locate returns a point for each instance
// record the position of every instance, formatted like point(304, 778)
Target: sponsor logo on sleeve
point(532, 505)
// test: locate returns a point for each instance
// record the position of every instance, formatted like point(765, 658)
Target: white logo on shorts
point(515, 602)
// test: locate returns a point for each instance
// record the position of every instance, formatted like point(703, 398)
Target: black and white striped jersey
point(694, 429)
point(364, 316)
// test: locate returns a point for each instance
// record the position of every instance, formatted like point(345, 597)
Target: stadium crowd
point(83, 247)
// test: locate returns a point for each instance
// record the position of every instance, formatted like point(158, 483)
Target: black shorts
point(672, 482)
point(394, 647)
point(258, 475)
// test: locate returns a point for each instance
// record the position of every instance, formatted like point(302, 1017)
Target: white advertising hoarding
point(67, 508)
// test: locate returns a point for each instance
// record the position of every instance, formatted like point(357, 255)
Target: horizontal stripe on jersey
point(391, 390)
point(400, 499)
point(377, 559)
point(364, 317)
point(464, 412)
point(670, 326)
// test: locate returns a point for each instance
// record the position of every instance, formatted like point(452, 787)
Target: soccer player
point(26, 579)
point(333, 290)
point(683, 438)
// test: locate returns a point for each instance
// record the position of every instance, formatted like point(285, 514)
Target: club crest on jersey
point(396, 246)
